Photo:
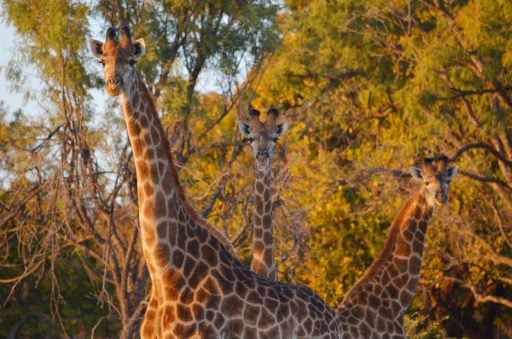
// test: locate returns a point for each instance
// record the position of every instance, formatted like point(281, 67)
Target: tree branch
point(215, 196)
point(485, 179)
point(480, 145)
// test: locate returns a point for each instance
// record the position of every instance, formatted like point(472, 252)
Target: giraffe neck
point(164, 214)
point(263, 239)
point(390, 282)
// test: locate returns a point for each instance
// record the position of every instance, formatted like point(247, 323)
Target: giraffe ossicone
point(262, 137)
point(199, 289)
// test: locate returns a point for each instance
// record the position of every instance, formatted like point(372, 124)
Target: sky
point(12, 100)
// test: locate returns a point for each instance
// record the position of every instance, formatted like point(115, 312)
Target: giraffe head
point(436, 177)
point(263, 136)
point(118, 58)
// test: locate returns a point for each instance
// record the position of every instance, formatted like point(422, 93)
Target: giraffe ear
point(450, 173)
point(245, 129)
point(281, 128)
point(139, 47)
point(96, 48)
point(416, 173)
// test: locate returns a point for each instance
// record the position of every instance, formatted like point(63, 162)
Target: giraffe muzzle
point(114, 85)
point(441, 199)
point(262, 155)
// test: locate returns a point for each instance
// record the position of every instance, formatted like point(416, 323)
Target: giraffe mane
point(214, 231)
point(394, 231)
point(218, 234)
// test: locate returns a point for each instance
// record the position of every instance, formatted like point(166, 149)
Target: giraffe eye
point(427, 183)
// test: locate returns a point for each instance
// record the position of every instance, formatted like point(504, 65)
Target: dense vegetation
point(367, 86)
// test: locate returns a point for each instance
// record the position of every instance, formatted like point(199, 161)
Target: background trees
point(367, 86)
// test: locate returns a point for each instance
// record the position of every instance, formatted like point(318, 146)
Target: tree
point(375, 85)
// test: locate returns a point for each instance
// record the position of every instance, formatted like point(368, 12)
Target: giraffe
point(199, 289)
point(262, 137)
point(377, 303)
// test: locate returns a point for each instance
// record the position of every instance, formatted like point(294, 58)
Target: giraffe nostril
point(441, 197)
point(114, 81)
point(262, 154)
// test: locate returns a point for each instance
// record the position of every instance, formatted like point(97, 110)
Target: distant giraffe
point(377, 303)
point(198, 288)
point(262, 137)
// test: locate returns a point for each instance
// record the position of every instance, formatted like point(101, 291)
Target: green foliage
point(31, 310)
point(377, 86)
point(415, 328)
point(53, 41)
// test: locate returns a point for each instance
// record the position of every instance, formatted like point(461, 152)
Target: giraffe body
point(262, 137)
point(378, 301)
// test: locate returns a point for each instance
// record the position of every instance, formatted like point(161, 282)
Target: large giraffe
point(198, 288)
point(377, 303)
point(262, 137)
